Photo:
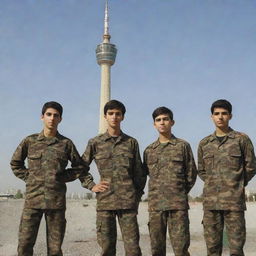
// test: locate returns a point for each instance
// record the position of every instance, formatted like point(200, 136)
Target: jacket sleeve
point(201, 169)
point(18, 161)
point(87, 157)
point(190, 168)
point(78, 168)
point(249, 159)
point(139, 173)
point(145, 165)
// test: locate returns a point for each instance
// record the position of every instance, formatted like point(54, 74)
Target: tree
point(18, 195)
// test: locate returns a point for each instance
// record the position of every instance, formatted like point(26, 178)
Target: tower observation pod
point(106, 55)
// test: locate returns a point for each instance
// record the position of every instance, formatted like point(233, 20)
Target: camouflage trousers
point(178, 226)
point(214, 221)
point(29, 225)
point(107, 231)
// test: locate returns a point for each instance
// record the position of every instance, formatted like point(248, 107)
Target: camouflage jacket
point(118, 162)
point(172, 171)
point(226, 167)
point(46, 174)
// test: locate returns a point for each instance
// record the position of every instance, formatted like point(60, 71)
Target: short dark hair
point(52, 104)
point(162, 111)
point(114, 104)
point(221, 104)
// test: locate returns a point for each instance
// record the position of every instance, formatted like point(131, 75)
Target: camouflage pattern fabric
point(234, 221)
point(29, 225)
point(172, 171)
point(178, 226)
point(118, 162)
point(226, 167)
point(107, 234)
point(45, 179)
point(46, 175)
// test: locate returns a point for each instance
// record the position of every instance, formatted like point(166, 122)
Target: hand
point(101, 187)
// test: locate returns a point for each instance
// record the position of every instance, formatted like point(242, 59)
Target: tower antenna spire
point(106, 35)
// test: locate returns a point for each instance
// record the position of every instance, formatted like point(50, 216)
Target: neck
point(115, 132)
point(50, 132)
point(165, 137)
point(221, 131)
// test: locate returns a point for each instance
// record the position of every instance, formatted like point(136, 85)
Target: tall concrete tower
point(106, 55)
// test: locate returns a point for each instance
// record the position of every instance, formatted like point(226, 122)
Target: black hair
point(162, 111)
point(114, 104)
point(52, 104)
point(221, 104)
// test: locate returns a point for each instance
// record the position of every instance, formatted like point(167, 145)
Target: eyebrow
point(163, 118)
point(223, 112)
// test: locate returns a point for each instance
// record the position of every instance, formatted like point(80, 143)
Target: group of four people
point(226, 163)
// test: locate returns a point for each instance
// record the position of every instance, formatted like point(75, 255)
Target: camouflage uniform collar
point(173, 141)
point(53, 139)
point(230, 134)
point(106, 136)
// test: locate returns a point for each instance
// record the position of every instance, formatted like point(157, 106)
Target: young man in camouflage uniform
point(226, 163)
point(122, 182)
point(48, 154)
point(170, 164)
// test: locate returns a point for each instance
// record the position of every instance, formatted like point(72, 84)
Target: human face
point(51, 118)
point(221, 117)
point(114, 117)
point(163, 124)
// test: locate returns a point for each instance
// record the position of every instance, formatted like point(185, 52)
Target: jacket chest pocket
point(34, 161)
point(208, 162)
point(59, 159)
point(152, 164)
point(124, 159)
point(177, 166)
point(104, 161)
point(235, 160)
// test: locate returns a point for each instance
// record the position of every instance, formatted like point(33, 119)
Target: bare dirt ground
point(80, 238)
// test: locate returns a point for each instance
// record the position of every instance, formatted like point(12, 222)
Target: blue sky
point(183, 54)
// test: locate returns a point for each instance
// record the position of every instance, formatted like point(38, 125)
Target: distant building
point(6, 196)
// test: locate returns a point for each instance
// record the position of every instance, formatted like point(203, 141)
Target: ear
point(105, 116)
point(230, 116)
point(42, 117)
point(173, 122)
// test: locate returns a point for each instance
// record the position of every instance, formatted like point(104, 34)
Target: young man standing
point(122, 182)
point(170, 164)
point(48, 153)
point(226, 163)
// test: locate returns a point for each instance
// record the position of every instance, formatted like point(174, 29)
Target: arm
point(145, 165)
point(249, 159)
point(140, 175)
point(190, 168)
point(17, 162)
point(87, 157)
point(201, 169)
point(78, 168)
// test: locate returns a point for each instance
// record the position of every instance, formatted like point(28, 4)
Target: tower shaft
point(104, 95)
